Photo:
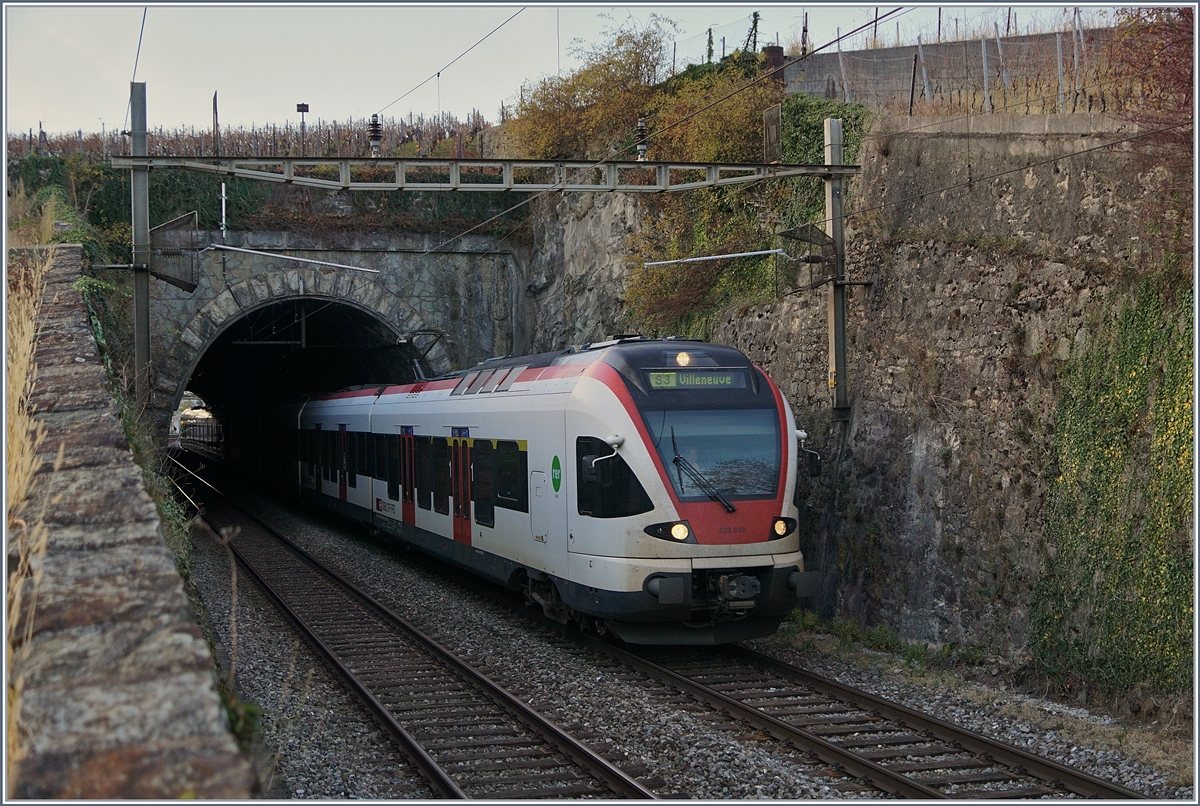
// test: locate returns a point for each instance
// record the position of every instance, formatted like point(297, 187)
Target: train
point(639, 487)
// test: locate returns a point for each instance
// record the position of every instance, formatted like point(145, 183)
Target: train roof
point(631, 351)
point(548, 359)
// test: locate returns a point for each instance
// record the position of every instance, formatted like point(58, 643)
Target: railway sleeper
point(782, 696)
point(432, 715)
point(946, 764)
point(497, 755)
point(514, 763)
point(545, 793)
point(869, 725)
point(464, 702)
point(470, 730)
point(972, 778)
point(934, 749)
point(514, 741)
point(1008, 794)
point(818, 721)
point(879, 741)
point(567, 773)
point(782, 711)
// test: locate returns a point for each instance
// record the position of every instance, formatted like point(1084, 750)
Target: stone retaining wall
point(119, 697)
point(991, 251)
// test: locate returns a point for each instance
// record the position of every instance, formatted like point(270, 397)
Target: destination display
point(676, 379)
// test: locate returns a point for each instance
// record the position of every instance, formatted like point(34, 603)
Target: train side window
point(441, 475)
point(479, 381)
point(351, 458)
point(393, 467)
point(310, 450)
point(512, 474)
point(327, 455)
point(483, 484)
point(380, 456)
point(607, 487)
point(510, 378)
point(424, 472)
point(463, 383)
point(364, 456)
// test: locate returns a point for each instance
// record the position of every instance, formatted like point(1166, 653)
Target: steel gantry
point(433, 174)
point(481, 175)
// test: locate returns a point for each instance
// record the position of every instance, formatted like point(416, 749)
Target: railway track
point(468, 737)
point(897, 749)
point(881, 744)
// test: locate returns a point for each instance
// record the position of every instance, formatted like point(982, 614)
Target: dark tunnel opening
point(285, 351)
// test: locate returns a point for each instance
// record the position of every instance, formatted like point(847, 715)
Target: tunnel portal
point(300, 346)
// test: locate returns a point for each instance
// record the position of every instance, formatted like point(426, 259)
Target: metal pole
point(1074, 42)
point(912, 89)
point(835, 228)
point(1003, 65)
point(924, 71)
point(842, 65)
point(1062, 92)
point(140, 216)
point(987, 80)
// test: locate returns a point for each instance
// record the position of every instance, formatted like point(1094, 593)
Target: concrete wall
point(1022, 74)
point(118, 697)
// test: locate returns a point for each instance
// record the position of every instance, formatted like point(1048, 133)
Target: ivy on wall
point(1113, 609)
point(802, 132)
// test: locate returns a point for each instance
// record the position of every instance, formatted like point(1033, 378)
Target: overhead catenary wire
point(136, 58)
point(438, 73)
point(744, 87)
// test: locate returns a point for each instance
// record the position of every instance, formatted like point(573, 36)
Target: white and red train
point(638, 486)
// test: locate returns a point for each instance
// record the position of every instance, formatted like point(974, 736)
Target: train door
point(318, 458)
point(548, 499)
point(408, 476)
point(539, 506)
point(460, 489)
point(340, 462)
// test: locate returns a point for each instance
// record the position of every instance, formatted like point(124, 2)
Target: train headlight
point(683, 359)
point(675, 531)
point(782, 527)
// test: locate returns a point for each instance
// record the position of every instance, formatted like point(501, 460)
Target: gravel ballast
point(318, 742)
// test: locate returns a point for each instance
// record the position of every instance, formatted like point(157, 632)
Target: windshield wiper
point(697, 477)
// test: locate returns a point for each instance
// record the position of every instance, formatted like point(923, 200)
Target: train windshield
point(735, 451)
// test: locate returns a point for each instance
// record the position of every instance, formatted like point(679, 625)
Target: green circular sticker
point(556, 474)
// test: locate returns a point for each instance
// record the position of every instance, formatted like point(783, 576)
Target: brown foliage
point(593, 111)
point(1153, 48)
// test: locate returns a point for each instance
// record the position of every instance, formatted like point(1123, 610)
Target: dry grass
point(27, 533)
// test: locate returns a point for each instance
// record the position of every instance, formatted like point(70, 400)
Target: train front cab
point(652, 553)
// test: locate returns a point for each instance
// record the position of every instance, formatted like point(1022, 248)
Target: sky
point(68, 67)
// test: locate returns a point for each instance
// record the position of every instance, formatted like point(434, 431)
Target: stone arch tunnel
point(260, 329)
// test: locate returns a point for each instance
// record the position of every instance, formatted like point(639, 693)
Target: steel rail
point(438, 779)
point(598, 767)
point(856, 765)
point(602, 769)
point(1081, 783)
